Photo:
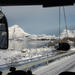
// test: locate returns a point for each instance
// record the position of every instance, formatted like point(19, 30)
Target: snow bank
point(9, 56)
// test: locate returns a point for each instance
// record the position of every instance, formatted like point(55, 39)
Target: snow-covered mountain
point(70, 33)
point(17, 32)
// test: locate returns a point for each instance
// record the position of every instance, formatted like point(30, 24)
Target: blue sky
point(39, 20)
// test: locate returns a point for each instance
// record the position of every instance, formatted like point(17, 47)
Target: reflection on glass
point(3, 32)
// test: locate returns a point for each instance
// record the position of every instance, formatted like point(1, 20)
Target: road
point(55, 68)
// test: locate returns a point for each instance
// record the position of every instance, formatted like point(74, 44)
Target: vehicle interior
point(31, 48)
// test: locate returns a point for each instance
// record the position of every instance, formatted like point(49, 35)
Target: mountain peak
point(16, 25)
point(17, 31)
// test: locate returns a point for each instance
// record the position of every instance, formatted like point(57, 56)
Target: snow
point(72, 69)
point(71, 33)
point(42, 36)
point(17, 31)
point(8, 56)
point(55, 68)
point(72, 49)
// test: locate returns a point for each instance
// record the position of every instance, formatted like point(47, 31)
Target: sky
point(39, 20)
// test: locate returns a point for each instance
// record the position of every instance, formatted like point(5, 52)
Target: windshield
point(33, 35)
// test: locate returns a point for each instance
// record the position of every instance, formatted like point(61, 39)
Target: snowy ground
point(56, 67)
point(8, 56)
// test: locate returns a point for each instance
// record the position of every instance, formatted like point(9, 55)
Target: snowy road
point(57, 67)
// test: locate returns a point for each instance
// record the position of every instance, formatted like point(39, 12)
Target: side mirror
point(3, 31)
